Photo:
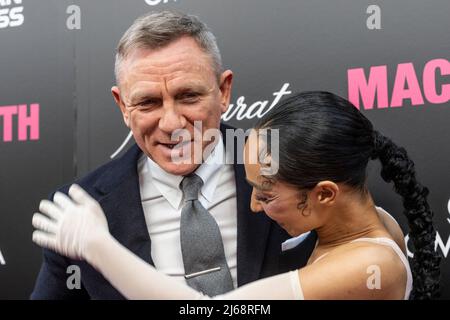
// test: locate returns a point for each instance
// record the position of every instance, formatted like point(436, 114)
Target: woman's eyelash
point(263, 199)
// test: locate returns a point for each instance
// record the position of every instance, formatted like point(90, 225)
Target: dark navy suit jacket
point(115, 186)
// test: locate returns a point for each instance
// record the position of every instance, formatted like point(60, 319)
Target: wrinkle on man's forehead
point(178, 74)
point(166, 68)
point(183, 50)
point(188, 59)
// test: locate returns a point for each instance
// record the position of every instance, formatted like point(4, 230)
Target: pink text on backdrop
point(20, 118)
point(406, 85)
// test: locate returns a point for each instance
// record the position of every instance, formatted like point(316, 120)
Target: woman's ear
point(325, 192)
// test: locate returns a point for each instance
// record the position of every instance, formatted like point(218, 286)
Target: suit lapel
point(121, 202)
point(252, 229)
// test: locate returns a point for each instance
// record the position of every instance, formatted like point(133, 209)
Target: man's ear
point(325, 192)
point(226, 80)
point(118, 98)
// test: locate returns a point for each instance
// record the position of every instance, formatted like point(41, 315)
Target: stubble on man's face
point(169, 89)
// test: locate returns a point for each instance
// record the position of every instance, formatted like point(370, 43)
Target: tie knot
point(191, 186)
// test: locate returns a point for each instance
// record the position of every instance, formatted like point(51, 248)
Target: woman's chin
point(293, 232)
point(290, 231)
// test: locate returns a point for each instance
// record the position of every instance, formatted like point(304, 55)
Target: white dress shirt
point(162, 197)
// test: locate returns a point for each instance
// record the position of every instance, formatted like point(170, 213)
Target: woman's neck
point(350, 219)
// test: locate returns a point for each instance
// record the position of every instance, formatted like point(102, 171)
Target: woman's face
point(280, 201)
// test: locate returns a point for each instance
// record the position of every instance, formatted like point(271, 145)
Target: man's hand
point(69, 225)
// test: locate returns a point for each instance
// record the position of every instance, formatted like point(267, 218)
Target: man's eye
point(148, 102)
point(190, 97)
point(147, 105)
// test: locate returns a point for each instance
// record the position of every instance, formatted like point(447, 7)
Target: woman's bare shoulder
point(359, 270)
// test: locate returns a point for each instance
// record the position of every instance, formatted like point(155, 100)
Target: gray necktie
point(204, 260)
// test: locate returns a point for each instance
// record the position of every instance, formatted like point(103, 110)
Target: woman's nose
point(255, 205)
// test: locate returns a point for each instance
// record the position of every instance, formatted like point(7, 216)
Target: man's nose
point(171, 120)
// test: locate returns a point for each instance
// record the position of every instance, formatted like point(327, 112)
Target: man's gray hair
point(157, 29)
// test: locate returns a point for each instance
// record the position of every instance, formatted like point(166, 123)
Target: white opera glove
point(68, 225)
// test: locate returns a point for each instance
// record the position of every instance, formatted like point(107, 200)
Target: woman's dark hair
point(324, 137)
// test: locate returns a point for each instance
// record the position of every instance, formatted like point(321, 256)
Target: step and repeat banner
point(58, 119)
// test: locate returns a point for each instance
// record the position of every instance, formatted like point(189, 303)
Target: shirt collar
point(210, 171)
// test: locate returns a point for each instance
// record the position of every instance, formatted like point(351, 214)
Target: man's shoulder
point(107, 172)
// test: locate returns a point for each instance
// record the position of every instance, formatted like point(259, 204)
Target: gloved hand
point(69, 225)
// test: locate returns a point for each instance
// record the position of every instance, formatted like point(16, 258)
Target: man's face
point(162, 90)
